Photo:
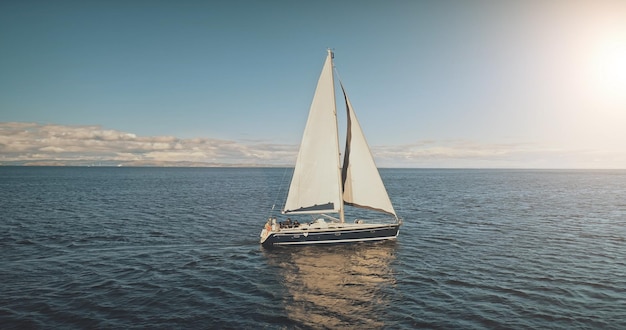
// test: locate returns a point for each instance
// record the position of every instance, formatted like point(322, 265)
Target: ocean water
point(164, 248)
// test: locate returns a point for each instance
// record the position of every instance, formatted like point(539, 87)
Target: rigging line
point(279, 191)
point(338, 76)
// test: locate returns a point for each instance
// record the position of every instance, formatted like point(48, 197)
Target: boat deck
point(329, 226)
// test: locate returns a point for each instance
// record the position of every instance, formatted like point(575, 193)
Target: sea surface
point(163, 248)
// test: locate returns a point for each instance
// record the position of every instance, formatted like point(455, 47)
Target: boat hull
point(332, 235)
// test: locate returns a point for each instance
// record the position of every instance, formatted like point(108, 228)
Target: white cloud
point(469, 154)
point(31, 143)
point(22, 142)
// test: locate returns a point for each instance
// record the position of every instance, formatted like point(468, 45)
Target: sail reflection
point(344, 286)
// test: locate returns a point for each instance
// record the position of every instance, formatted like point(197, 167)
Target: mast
point(339, 174)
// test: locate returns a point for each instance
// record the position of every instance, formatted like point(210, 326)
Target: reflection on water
point(341, 286)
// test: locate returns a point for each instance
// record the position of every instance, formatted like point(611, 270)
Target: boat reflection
point(339, 286)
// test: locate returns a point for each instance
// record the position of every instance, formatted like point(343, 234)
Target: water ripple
point(172, 248)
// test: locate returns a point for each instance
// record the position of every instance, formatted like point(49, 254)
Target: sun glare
point(610, 70)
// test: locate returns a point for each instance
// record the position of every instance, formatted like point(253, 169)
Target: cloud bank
point(50, 144)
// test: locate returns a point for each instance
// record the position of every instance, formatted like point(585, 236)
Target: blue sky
point(434, 83)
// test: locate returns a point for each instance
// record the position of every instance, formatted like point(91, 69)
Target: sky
point(454, 84)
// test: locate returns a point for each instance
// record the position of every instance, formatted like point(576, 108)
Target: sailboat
point(322, 184)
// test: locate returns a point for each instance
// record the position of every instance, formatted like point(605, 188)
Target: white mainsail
point(362, 184)
point(316, 182)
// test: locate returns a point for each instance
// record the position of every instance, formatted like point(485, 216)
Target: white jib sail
point(362, 185)
point(315, 185)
